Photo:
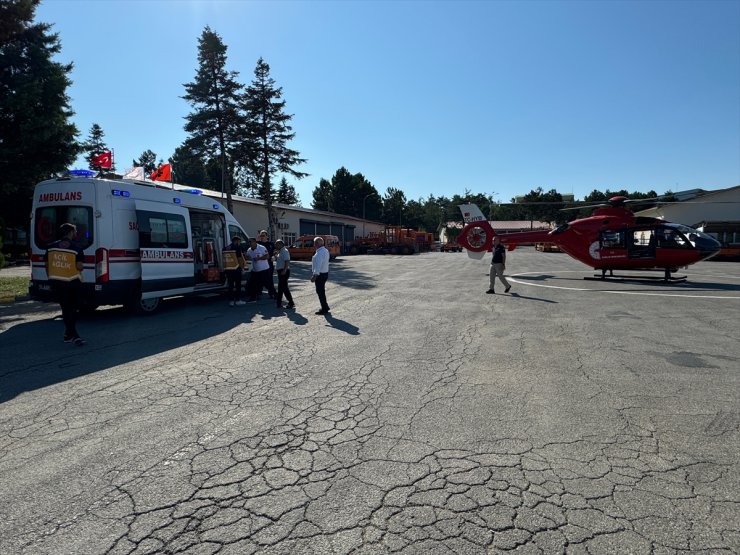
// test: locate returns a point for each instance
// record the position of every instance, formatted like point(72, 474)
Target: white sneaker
point(240, 303)
point(231, 303)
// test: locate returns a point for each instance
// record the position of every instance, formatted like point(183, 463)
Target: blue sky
point(436, 97)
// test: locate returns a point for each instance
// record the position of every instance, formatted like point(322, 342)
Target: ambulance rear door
point(166, 249)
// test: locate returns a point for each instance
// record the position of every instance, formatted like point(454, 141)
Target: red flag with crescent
point(102, 160)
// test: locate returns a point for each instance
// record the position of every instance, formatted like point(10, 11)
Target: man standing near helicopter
point(498, 265)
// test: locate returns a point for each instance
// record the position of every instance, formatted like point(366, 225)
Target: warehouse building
point(290, 222)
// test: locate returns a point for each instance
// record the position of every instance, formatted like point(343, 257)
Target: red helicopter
point(612, 238)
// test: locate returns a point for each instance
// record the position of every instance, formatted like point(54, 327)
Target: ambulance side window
point(161, 230)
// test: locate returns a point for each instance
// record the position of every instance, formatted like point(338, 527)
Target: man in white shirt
point(320, 272)
point(260, 269)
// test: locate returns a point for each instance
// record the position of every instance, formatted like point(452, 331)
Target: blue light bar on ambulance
point(119, 193)
point(193, 191)
point(82, 173)
point(216, 206)
point(177, 200)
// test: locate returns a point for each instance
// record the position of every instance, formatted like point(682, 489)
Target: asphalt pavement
point(421, 416)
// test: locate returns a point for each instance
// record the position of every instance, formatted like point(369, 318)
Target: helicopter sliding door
point(642, 244)
point(627, 244)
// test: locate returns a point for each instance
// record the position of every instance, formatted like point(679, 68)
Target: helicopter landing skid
point(667, 278)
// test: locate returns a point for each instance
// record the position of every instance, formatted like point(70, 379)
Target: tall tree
point(147, 160)
point(286, 193)
point(37, 139)
point(188, 167)
point(343, 192)
point(365, 199)
point(414, 215)
point(269, 132)
point(394, 201)
point(323, 196)
point(544, 206)
point(215, 122)
point(94, 145)
point(348, 194)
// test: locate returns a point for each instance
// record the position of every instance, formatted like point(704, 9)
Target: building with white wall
point(290, 222)
point(699, 207)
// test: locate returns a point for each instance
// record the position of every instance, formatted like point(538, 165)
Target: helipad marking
point(513, 278)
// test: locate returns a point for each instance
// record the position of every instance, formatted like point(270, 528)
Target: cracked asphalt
point(423, 416)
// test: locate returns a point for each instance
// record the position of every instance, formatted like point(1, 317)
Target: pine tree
point(393, 205)
point(343, 187)
point(268, 134)
point(286, 193)
point(37, 139)
point(323, 195)
point(94, 145)
point(148, 161)
point(215, 122)
point(188, 167)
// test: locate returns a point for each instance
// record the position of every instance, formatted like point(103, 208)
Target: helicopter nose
point(708, 246)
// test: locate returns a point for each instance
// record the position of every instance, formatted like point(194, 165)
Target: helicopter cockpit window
point(612, 239)
point(671, 238)
point(694, 237)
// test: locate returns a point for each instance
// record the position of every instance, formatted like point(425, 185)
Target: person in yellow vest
point(234, 263)
point(64, 264)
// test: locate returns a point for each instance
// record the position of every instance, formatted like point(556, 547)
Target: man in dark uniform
point(64, 259)
point(498, 265)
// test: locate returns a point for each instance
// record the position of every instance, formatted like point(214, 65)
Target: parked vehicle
point(450, 246)
point(142, 241)
point(303, 249)
point(394, 240)
point(547, 247)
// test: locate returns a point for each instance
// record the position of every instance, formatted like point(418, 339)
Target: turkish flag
point(102, 160)
point(162, 173)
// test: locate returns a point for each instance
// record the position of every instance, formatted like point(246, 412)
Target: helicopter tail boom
point(525, 237)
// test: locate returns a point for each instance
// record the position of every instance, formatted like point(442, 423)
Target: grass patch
point(12, 286)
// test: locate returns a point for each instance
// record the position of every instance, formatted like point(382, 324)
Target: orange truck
point(394, 240)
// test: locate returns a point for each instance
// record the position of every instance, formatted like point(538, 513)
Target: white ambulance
point(142, 241)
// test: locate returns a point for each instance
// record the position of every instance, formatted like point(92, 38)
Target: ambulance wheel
point(143, 306)
point(148, 306)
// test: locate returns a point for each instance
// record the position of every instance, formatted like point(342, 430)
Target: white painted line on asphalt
point(611, 291)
